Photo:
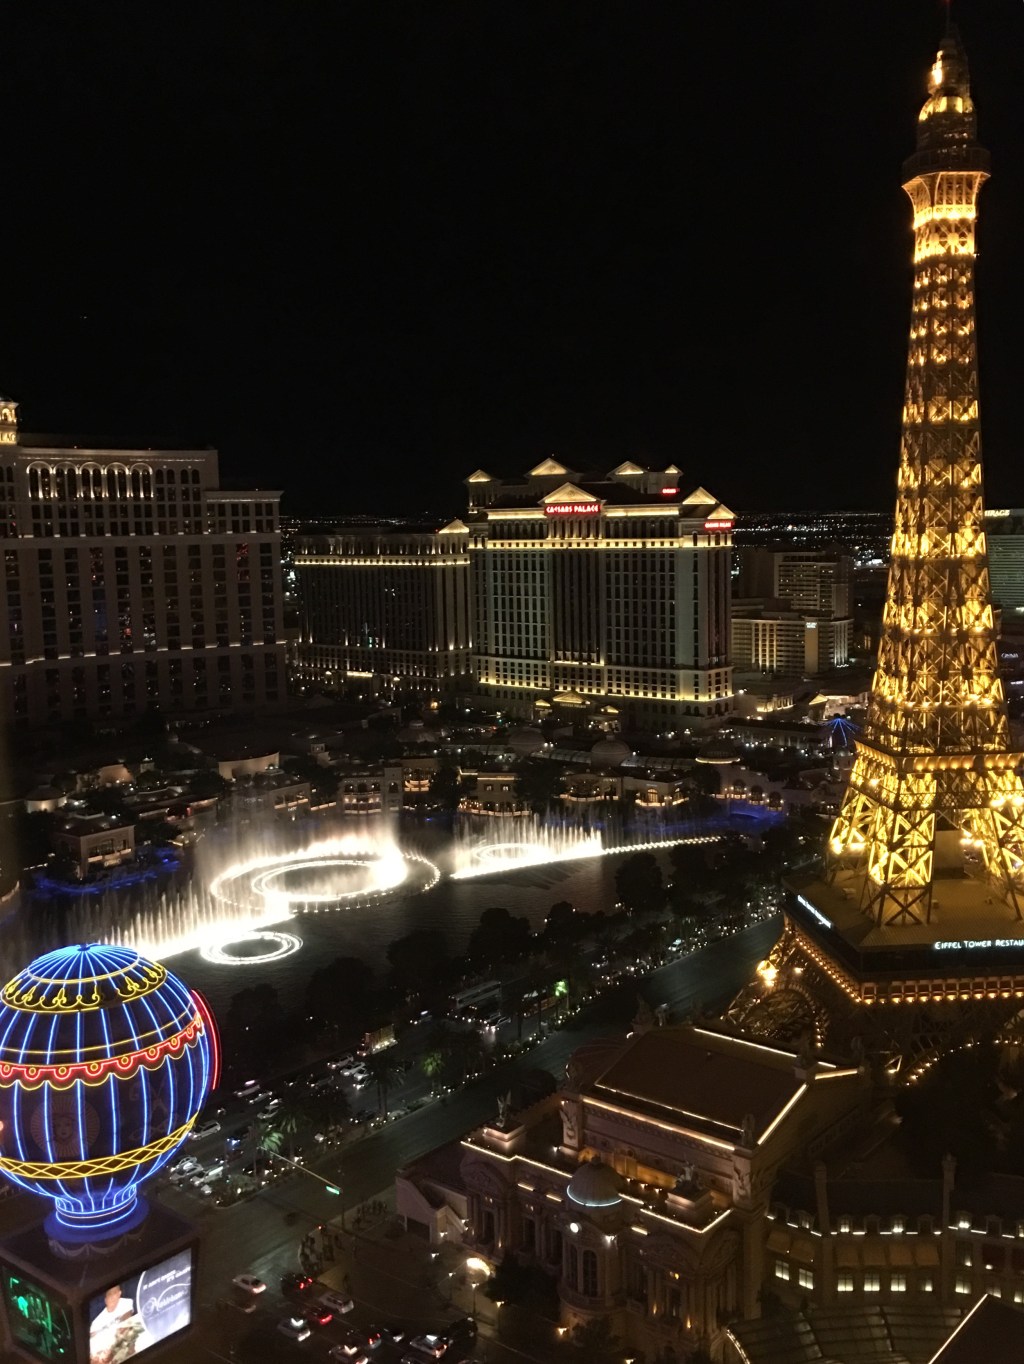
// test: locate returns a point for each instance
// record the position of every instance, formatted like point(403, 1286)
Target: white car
point(337, 1302)
point(206, 1129)
point(352, 1353)
point(182, 1169)
point(249, 1283)
point(213, 1171)
point(295, 1328)
point(250, 1088)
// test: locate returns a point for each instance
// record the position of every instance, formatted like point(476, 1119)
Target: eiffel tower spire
point(934, 761)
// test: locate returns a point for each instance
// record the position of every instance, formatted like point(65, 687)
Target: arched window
point(572, 1268)
point(589, 1285)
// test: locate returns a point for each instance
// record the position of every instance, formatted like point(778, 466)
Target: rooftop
point(711, 1081)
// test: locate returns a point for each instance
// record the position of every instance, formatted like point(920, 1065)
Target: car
point(209, 1128)
point(295, 1282)
point(364, 1115)
point(341, 1063)
point(338, 1303)
point(250, 1088)
point(465, 1326)
point(249, 1283)
point(373, 1337)
point(318, 1315)
point(357, 1355)
point(295, 1328)
point(184, 1168)
point(234, 1139)
point(396, 1334)
point(431, 1345)
point(260, 1096)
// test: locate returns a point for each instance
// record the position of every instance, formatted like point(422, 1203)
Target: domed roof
point(525, 740)
point(610, 751)
point(91, 1010)
point(718, 749)
point(595, 1185)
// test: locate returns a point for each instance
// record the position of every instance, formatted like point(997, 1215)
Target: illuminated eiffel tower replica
point(913, 933)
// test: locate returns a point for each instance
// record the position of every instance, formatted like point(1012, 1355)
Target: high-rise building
point(132, 580)
point(1004, 531)
point(922, 898)
point(386, 605)
point(577, 590)
point(792, 615)
point(610, 588)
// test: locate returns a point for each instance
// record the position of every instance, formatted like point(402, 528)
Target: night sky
point(364, 246)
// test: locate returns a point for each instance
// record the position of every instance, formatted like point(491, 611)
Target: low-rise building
point(643, 1187)
point(95, 841)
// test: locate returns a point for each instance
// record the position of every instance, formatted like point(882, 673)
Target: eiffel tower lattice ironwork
point(935, 750)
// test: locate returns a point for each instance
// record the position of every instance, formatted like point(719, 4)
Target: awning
point(803, 1249)
point(874, 1255)
point(779, 1240)
point(900, 1254)
point(926, 1253)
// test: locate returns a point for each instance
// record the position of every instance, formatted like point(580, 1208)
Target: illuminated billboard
point(141, 1310)
point(37, 1318)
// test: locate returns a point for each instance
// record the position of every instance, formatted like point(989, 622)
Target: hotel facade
point(560, 588)
point(131, 581)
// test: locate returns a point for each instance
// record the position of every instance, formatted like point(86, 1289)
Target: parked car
point(296, 1283)
point(208, 1128)
point(374, 1337)
point(247, 1090)
point(319, 1315)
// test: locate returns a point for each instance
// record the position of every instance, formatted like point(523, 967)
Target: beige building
point(132, 580)
point(644, 1186)
point(607, 588)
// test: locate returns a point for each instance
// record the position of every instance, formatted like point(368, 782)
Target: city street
point(263, 1235)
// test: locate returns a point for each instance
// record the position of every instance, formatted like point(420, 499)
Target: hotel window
point(897, 1225)
point(844, 1283)
point(963, 1284)
point(898, 1283)
point(872, 1282)
point(782, 1270)
point(926, 1284)
point(805, 1278)
point(845, 1224)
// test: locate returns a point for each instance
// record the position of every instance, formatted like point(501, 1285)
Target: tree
point(446, 785)
point(594, 1343)
point(383, 1073)
point(539, 782)
point(418, 959)
point(499, 937)
point(338, 994)
point(639, 883)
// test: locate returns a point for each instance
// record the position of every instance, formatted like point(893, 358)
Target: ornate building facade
point(132, 580)
point(643, 1187)
point(584, 590)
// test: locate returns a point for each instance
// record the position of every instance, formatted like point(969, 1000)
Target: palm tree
point(383, 1073)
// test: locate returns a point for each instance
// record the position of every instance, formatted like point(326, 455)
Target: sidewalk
point(394, 1274)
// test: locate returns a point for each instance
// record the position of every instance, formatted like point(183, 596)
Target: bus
point(473, 999)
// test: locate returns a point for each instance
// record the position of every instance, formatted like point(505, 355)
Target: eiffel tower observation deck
point(921, 897)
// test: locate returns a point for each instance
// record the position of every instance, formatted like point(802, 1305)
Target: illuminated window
point(805, 1278)
point(926, 1284)
point(844, 1283)
point(898, 1283)
point(781, 1270)
point(872, 1282)
point(963, 1284)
